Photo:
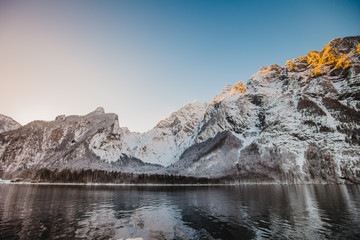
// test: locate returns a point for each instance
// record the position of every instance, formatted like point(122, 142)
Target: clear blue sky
point(145, 59)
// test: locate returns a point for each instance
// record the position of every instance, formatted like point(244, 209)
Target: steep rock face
point(294, 124)
point(297, 123)
point(66, 142)
point(210, 158)
point(8, 124)
point(95, 141)
point(161, 145)
point(169, 138)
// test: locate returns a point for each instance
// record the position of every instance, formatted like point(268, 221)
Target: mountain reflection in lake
point(203, 212)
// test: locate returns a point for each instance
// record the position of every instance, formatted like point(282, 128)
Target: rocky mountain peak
point(345, 45)
point(265, 79)
point(300, 120)
point(99, 110)
point(266, 73)
point(8, 124)
point(293, 124)
point(182, 115)
point(337, 54)
point(166, 141)
point(229, 91)
point(239, 87)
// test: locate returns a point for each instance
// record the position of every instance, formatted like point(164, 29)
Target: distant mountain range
point(294, 124)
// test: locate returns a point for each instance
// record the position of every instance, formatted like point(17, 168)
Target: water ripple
point(238, 212)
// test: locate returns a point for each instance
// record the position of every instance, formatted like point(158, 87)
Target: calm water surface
point(221, 212)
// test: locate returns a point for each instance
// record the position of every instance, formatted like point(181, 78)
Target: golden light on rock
point(357, 50)
point(240, 86)
point(321, 62)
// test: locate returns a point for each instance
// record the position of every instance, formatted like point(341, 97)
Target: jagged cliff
point(67, 142)
point(96, 141)
point(8, 124)
point(161, 145)
point(294, 124)
point(297, 123)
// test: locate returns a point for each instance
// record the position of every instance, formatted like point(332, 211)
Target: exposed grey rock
point(294, 124)
point(64, 143)
point(8, 124)
point(202, 159)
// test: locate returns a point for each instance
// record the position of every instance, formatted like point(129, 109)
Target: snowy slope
point(161, 145)
point(96, 141)
point(297, 123)
point(67, 142)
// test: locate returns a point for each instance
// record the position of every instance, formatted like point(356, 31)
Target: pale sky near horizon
point(143, 59)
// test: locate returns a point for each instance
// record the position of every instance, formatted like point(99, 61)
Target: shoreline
point(8, 182)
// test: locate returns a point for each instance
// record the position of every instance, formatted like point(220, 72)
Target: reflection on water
point(221, 212)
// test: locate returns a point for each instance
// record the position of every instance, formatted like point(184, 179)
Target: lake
point(180, 212)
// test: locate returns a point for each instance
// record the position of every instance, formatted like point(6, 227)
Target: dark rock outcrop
point(294, 124)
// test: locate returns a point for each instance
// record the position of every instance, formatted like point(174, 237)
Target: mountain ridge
point(8, 124)
point(293, 124)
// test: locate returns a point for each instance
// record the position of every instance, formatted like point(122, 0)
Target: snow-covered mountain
point(299, 123)
point(165, 142)
point(161, 145)
point(67, 142)
point(8, 124)
point(96, 141)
